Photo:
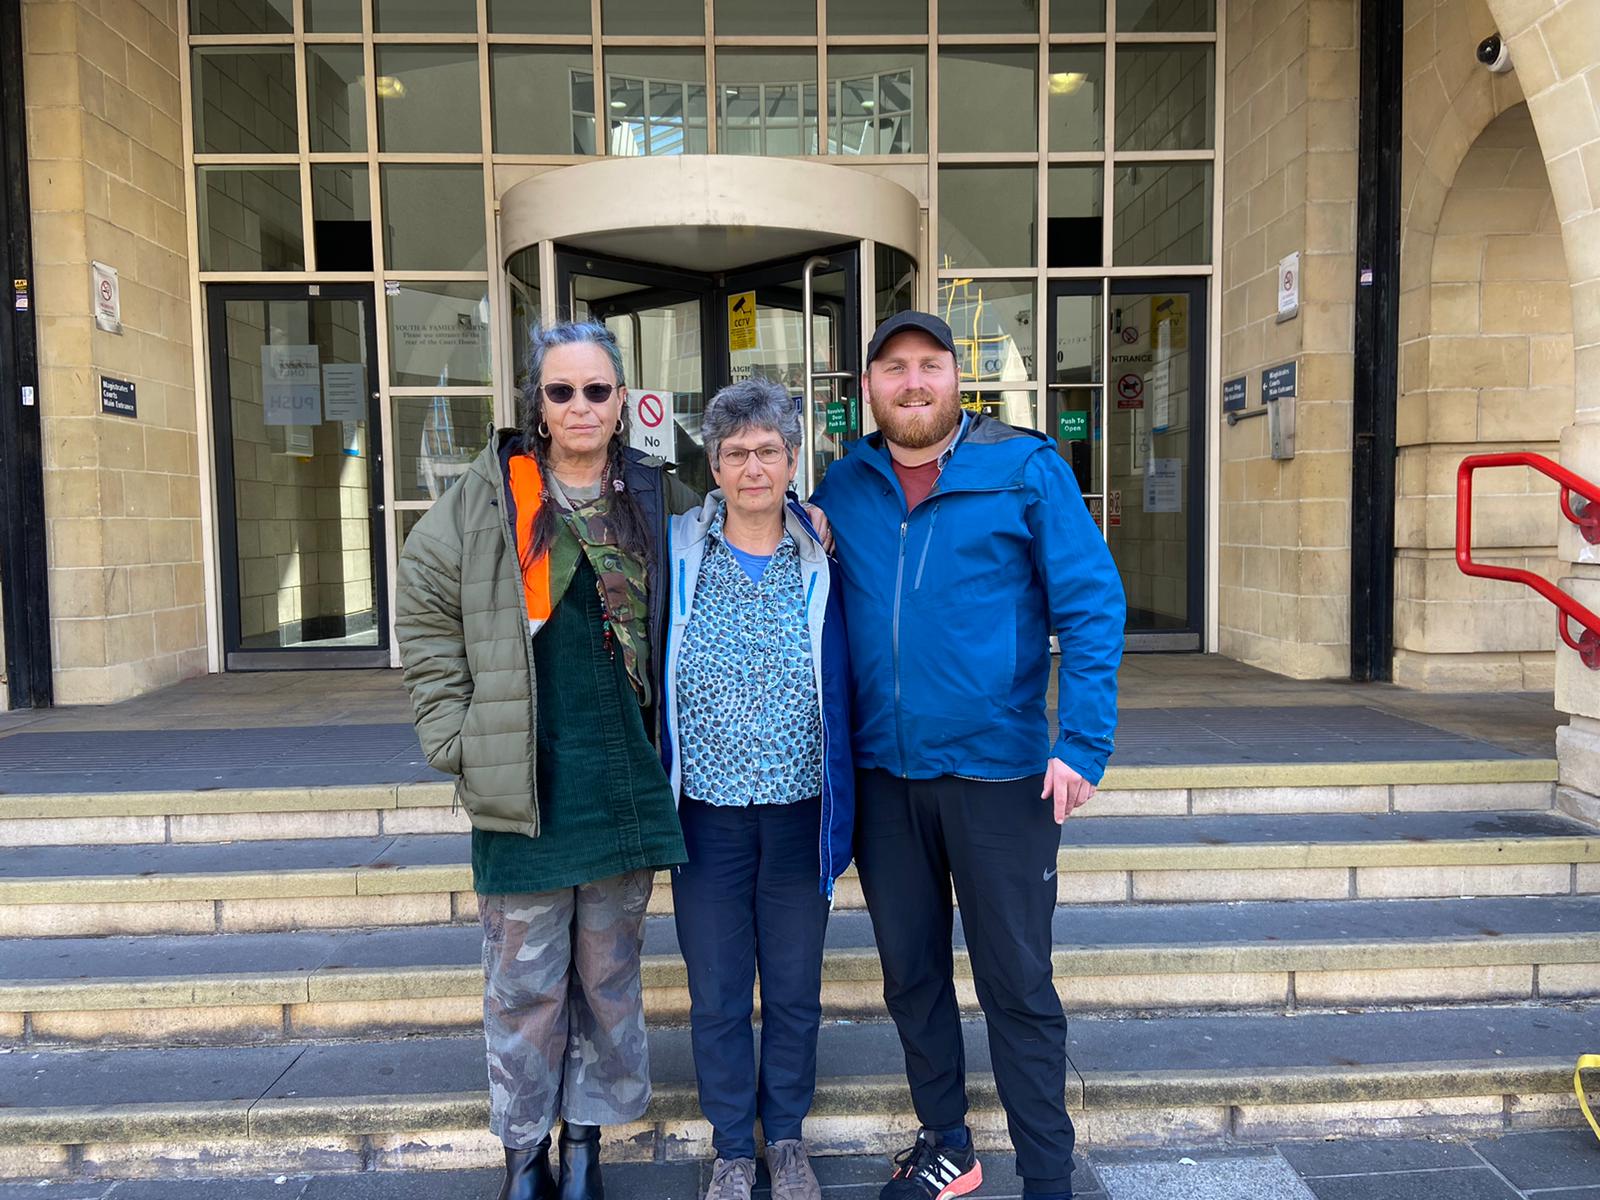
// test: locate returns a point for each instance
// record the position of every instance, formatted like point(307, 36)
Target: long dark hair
point(627, 515)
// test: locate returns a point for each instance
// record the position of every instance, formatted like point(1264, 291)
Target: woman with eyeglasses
point(758, 742)
point(530, 614)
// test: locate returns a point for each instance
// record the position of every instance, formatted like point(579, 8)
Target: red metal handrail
point(1587, 520)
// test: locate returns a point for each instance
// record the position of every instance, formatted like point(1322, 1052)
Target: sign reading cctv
point(291, 385)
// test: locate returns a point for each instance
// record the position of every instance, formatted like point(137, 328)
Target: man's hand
point(819, 522)
point(1069, 790)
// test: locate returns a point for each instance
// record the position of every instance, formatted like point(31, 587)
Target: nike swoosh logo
point(1049, 875)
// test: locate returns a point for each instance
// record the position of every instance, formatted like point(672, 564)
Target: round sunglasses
point(562, 393)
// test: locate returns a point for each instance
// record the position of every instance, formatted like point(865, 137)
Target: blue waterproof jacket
point(830, 659)
point(950, 609)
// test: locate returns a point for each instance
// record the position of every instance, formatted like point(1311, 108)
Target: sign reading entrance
point(117, 397)
point(1277, 382)
point(652, 429)
point(742, 322)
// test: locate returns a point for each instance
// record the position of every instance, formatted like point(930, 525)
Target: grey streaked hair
point(751, 403)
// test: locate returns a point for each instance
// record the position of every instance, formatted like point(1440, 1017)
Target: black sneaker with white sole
point(930, 1171)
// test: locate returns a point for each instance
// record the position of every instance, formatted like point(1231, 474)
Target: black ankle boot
point(580, 1163)
point(528, 1174)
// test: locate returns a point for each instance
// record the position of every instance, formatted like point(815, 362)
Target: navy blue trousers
point(748, 899)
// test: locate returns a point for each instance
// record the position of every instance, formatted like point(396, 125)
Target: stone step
point(420, 1102)
point(1284, 956)
point(393, 809)
point(425, 879)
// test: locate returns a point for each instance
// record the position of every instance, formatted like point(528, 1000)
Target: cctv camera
point(1492, 53)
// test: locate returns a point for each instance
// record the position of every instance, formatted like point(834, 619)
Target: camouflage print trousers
point(563, 1011)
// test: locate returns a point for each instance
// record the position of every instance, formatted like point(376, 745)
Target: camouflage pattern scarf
point(624, 583)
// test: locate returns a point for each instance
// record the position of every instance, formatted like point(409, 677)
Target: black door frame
point(235, 656)
point(1192, 637)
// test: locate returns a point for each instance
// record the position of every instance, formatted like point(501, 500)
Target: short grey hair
point(750, 404)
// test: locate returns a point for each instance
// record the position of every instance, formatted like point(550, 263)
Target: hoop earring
point(619, 425)
point(543, 430)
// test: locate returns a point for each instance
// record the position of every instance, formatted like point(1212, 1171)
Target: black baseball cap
point(900, 322)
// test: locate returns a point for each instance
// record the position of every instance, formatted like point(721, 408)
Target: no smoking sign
point(652, 428)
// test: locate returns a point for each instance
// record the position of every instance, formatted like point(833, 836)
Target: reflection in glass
point(1163, 215)
point(1166, 16)
point(992, 320)
point(543, 100)
point(439, 335)
point(522, 277)
point(332, 16)
point(878, 101)
point(853, 18)
point(1072, 418)
point(896, 282)
point(766, 18)
point(244, 101)
point(653, 18)
point(1074, 229)
point(1077, 16)
point(415, 238)
point(766, 102)
point(241, 16)
point(250, 219)
point(986, 216)
point(425, 16)
point(988, 100)
point(539, 16)
point(1012, 407)
point(1165, 98)
point(656, 102)
point(341, 217)
point(1076, 113)
point(337, 98)
point(988, 16)
point(436, 439)
point(428, 99)
point(405, 520)
point(1079, 340)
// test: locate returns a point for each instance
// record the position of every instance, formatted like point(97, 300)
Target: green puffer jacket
point(463, 631)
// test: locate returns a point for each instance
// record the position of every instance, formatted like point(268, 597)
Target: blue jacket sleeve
point(1087, 612)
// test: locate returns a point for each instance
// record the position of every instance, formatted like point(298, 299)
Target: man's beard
point(918, 428)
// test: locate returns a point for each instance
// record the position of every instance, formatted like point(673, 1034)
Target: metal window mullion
point(303, 139)
point(602, 88)
point(286, 276)
point(1105, 401)
point(1213, 442)
point(499, 311)
point(713, 93)
point(931, 268)
point(1174, 37)
point(1108, 180)
point(572, 40)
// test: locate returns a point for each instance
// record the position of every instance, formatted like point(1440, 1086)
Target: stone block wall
point(122, 495)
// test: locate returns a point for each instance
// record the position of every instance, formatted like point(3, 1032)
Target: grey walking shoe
point(792, 1177)
point(732, 1179)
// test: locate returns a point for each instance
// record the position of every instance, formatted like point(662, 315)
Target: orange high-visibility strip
point(527, 489)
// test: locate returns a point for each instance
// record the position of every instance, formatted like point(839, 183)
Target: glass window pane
point(425, 16)
point(1163, 215)
point(760, 94)
point(1079, 341)
point(522, 277)
point(1013, 407)
point(543, 100)
point(405, 520)
point(1166, 16)
point(1073, 236)
point(1077, 114)
point(415, 236)
point(1072, 417)
point(439, 335)
point(992, 320)
point(436, 439)
point(896, 282)
point(333, 16)
point(250, 219)
point(879, 101)
point(988, 100)
point(539, 16)
point(659, 18)
point(241, 16)
point(986, 216)
point(1077, 16)
point(337, 98)
point(988, 16)
point(244, 101)
point(341, 218)
point(656, 102)
point(1165, 98)
point(853, 18)
point(428, 99)
point(766, 18)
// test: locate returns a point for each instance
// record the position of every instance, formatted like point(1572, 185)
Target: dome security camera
point(1494, 54)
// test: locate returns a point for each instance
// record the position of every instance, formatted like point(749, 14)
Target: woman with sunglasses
point(530, 616)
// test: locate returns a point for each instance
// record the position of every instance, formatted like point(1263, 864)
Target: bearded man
point(965, 543)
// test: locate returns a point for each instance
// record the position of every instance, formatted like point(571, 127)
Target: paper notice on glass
point(291, 385)
point(344, 388)
point(1163, 485)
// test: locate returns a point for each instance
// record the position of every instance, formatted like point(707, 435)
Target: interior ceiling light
point(869, 104)
point(1065, 83)
point(391, 88)
point(619, 104)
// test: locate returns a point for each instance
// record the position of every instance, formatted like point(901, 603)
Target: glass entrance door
point(299, 476)
point(1126, 404)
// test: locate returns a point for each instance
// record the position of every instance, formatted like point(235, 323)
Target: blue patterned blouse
point(749, 723)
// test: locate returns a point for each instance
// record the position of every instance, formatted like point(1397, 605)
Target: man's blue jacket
point(949, 610)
